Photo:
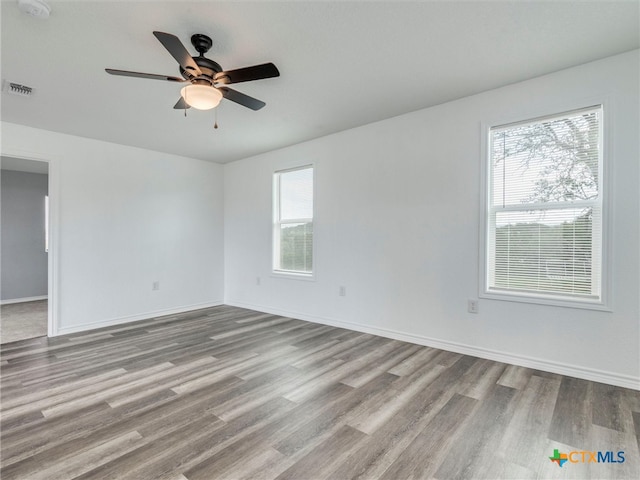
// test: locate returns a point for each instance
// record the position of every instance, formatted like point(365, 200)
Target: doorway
point(24, 249)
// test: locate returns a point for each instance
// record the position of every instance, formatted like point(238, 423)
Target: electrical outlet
point(155, 285)
point(342, 291)
point(472, 306)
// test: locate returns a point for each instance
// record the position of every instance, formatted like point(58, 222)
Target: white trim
point(292, 275)
point(560, 205)
point(544, 118)
point(22, 300)
point(551, 300)
point(54, 250)
point(608, 155)
point(594, 375)
point(134, 318)
point(53, 254)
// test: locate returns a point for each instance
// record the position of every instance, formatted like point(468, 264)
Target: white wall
point(397, 222)
point(126, 217)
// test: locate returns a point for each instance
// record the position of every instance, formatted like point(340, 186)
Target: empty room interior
point(320, 240)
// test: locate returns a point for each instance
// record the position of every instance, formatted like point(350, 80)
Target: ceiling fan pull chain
point(215, 124)
point(185, 103)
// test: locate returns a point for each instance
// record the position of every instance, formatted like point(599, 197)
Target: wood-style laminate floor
point(232, 393)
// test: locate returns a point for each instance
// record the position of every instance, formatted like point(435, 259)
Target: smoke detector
point(34, 8)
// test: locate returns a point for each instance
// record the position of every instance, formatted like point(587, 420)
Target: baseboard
point(22, 300)
point(610, 378)
point(134, 318)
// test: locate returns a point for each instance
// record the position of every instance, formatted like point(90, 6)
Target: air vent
point(17, 89)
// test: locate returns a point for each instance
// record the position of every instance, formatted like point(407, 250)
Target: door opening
point(25, 249)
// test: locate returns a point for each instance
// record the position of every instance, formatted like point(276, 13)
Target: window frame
point(276, 271)
point(553, 299)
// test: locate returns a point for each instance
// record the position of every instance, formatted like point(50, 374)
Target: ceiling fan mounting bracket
point(202, 43)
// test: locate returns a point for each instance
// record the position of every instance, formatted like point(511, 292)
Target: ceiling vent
point(34, 8)
point(17, 89)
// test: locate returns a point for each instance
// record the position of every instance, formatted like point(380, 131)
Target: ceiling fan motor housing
point(202, 44)
point(208, 67)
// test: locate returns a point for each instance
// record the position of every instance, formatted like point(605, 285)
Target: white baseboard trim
point(601, 376)
point(22, 300)
point(134, 318)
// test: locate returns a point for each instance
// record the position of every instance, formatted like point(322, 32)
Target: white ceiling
point(342, 64)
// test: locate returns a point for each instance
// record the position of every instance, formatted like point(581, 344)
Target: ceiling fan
point(206, 78)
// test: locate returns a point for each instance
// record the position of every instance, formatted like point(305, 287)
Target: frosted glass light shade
point(202, 97)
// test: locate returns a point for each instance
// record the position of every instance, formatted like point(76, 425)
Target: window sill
point(548, 300)
point(307, 277)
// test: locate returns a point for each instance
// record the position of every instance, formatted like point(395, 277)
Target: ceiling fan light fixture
point(202, 97)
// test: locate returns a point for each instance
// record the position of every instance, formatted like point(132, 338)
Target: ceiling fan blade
point(153, 76)
point(241, 98)
point(257, 72)
point(179, 52)
point(181, 104)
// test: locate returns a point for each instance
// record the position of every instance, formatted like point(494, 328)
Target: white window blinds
point(544, 218)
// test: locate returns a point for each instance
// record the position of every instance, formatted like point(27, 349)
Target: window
point(544, 225)
point(293, 221)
